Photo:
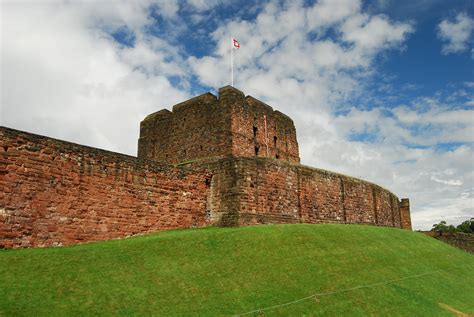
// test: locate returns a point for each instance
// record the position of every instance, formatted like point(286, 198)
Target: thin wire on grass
point(261, 310)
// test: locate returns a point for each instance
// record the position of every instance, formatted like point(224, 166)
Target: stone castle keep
point(228, 160)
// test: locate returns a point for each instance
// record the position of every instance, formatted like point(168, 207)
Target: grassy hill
point(229, 271)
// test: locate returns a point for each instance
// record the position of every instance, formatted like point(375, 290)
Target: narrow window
point(275, 141)
point(254, 132)
point(277, 156)
point(256, 150)
point(201, 147)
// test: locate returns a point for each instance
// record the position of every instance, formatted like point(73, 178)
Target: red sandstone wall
point(273, 191)
point(321, 198)
point(58, 193)
point(267, 190)
point(460, 240)
point(358, 201)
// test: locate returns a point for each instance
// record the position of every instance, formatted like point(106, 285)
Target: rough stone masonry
point(222, 160)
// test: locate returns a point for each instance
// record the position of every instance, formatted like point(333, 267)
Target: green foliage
point(443, 227)
point(467, 226)
point(226, 271)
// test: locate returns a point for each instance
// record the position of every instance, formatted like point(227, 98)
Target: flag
point(235, 43)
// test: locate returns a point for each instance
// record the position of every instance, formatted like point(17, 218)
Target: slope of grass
point(228, 271)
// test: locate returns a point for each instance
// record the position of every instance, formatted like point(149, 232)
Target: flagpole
point(231, 62)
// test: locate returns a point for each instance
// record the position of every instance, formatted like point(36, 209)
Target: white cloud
point(65, 77)
point(375, 32)
point(436, 123)
point(456, 33)
point(203, 5)
point(451, 182)
point(328, 12)
point(154, 57)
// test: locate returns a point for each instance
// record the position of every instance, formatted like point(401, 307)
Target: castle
point(228, 160)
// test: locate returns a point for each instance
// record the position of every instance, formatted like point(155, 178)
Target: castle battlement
point(231, 124)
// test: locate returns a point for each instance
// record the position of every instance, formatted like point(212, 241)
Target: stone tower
point(206, 126)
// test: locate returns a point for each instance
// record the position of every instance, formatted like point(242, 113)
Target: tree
point(440, 226)
point(443, 227)
point(467, 226)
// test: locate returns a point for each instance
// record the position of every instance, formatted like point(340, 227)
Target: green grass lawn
point(229, 271)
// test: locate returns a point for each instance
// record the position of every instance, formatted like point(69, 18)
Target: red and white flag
point(235, 43)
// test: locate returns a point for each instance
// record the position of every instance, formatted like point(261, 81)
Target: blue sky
point(381, 89)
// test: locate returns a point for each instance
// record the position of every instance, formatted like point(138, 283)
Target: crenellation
point(195, 103)
point(162, 114)
point(287, 121)
point(229, 95)
point(210, 126)
point(258, 106)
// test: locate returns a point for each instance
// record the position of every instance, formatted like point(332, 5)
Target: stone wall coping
point(283, 116)
point(230, 88)
point(260, 103)
point(160, 113)
point(66, 146)
point(205, 98)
